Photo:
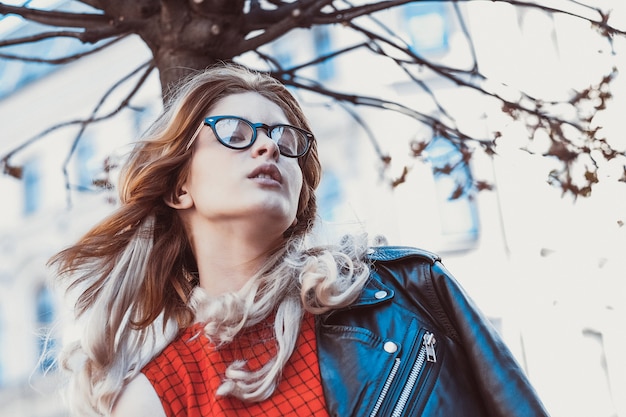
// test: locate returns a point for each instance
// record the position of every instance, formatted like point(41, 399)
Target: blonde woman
point(200, 297)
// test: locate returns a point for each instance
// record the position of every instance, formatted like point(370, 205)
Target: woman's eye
point(237, 137)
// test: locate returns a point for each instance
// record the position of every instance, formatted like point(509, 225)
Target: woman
point(199, 296)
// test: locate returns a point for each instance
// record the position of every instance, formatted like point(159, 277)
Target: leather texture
point(370, 352)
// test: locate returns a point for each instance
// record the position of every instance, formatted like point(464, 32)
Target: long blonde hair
point(133, 273)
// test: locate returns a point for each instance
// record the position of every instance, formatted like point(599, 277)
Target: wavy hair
point(132, 275)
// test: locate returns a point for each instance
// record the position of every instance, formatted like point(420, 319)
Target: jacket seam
point(435, 301)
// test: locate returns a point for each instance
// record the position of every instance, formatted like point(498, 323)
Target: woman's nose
point(264, 144)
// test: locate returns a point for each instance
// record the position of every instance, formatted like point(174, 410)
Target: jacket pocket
point(411, 377)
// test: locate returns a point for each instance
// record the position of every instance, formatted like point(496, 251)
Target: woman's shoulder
point(394, 253)
point(138, 399)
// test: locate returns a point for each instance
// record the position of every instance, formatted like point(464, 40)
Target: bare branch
point(323, 58)
point(467, 36)
point(385, 159)
point(96, 4)
point(280, 73)
point(40, 37)
point(374, 47)
point(5, 160)
point(351, 13)
point(87, 36)
point(300, 16)
point(59, 61)
point(259, 18)
point(456, 137)
point(190, 35)
point(451, 75)
point(149, 66)
point(56, 18)
point(602, 23)
point(438, 126)
point(346, 15)
point(549, 9)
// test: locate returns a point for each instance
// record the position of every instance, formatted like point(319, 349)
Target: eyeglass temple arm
point(193, 137)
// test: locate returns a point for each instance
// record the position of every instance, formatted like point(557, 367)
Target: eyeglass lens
point(238, 133)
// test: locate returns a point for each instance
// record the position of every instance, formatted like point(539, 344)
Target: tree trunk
point(190, 36)
point(173, 65)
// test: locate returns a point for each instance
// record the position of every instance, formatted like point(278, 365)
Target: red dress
point(189, 370)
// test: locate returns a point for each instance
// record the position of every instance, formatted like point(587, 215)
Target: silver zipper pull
point(429, 342)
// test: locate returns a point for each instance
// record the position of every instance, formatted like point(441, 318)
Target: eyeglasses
point(238, 133)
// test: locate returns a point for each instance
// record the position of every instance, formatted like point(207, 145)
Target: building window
point(45, 317)
point(32, 187)
point(84, 164)
point(458, 211)
point(142, 117)
point(329, 195)
point(323, 46)
point(428, 27)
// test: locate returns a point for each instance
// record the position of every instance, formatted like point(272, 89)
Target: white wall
point(27, 241)
point(550, 272)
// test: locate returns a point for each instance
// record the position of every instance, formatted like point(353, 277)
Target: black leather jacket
point(414, 344)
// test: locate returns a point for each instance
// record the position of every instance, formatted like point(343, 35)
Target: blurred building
point(548, 273)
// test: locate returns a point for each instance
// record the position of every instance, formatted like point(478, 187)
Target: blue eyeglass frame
point(212, 120)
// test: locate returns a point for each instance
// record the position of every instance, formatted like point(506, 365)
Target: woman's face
point(256, 184)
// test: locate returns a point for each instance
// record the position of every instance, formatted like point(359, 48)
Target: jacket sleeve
point(501, 381)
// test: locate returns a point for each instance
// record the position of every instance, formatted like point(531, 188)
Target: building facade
point(546, 271)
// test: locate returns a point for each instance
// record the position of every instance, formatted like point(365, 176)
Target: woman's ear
point(179, 200)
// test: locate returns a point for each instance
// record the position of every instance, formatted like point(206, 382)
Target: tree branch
point(299, 17)
point(452, 134)
point(450, 74)
point(43, 36)
point(260, 18)
point(280, 73)
point(96, 4)
point(124, 103)
point(368, 101)
point(59, 61)
point(351, 13)
point(56, 18)
point(5, 160)
point(375, 48)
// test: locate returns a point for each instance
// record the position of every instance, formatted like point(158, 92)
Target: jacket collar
point(374, 292)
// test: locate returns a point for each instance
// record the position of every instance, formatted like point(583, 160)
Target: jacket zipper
point(385, 390)
point(425, 354)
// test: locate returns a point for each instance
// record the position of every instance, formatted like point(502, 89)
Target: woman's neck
point(227, 263)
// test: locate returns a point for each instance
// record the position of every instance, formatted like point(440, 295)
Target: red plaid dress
point(187, 373)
